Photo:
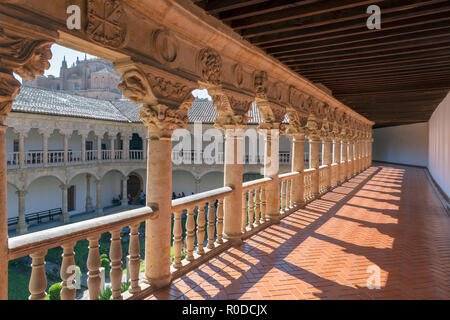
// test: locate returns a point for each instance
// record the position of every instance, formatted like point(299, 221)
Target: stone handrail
point(36, 245)
point(255, 183)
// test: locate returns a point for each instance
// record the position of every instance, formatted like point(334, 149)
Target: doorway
point(71, 198)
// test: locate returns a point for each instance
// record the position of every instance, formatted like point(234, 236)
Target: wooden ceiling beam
point(346, 29)
point(302, 12)
point(217, 6)
point(443, 46)
point(359, 41)
point(261, 8)
point(374, 46)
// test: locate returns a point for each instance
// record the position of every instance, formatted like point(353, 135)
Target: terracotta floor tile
point(387, 217)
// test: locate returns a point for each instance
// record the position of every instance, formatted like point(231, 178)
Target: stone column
point(351, 159)
point(3, 211)
point(65, 214)
point(124, 192)
point(22, 226)
point(337, 159)
point(344, 161)
point(298, 164)
point(197, 185)
point(112, 148)
point(98, 207)
point(99, 148)
point(271, 170)
point(27, 64)
point(126, 146)
point(314, 143)
point(144, 148)
point(66, 148)
point(21, 150)
point(88, 206)
point(45, 137)
point(327, 158)
point(233, 175)
point(83, 148)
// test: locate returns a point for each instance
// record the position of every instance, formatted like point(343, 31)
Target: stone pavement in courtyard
point(387, 217)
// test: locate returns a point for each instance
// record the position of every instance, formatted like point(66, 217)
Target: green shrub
point(54, 292)
point(106, 295)
point(105, 263)
point(125, 286)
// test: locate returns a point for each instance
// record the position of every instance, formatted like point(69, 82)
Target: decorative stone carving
point(233, 110)
point(26, 57)
point(106, 22)
point(162, 120)
point(166, 88)
point(272, 116)
point(165, 46)
point(211, 66)
point(260, 84)
point(297, 122)
point(238, 75)
point(135, 86)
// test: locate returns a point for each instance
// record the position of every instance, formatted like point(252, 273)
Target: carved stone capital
point(162, 120)
point(297, 122)
point(24, 56)
point(272, 115)
point(232, 108)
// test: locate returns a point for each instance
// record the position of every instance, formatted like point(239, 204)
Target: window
point(16, 145)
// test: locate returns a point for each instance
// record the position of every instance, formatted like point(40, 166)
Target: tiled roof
point(42, 101)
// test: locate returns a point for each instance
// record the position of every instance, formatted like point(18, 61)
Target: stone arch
point(211, 180)
point(183, 181)
point(12, 200)
point(43, 193)
point(90, 171)
point(33, 176)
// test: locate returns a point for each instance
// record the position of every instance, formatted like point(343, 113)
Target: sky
point(59, 52)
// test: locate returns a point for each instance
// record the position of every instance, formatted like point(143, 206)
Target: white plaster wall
point(44, 193)
point(110, 188)
point(12, 201)
point(407, 144)
point(183, 181)
point(439, 145)
point(80, 193)
point(211, 181)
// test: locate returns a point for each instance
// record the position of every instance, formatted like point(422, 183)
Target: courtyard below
point(386, 221)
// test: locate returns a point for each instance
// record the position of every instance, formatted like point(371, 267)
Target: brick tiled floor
point(388, 217)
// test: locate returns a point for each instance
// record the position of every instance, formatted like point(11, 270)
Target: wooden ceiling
point(393, 76)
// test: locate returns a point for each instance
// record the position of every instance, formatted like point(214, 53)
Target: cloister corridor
point(388, 216)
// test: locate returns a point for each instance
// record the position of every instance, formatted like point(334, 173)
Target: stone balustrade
point(36, 159)
point(37, 244)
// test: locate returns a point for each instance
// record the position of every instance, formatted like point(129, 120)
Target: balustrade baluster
point(282, 189)
point(220, 221)
point(257, 206)
point(68, 291)
point(250, 209)
point(211, 224)
point(115, 253)
point(244, 211)
point(177, 243)
point(190, 238)
point(93, 265)
point(263, 204)
point(286, 204)
point(135, 259)
point(38, 279)
point(201, 229)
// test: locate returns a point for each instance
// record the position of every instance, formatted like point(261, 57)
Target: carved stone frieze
point(106, 22)
point(211, 66)
point(297, 122)
point(260, 84)
point(165, 45)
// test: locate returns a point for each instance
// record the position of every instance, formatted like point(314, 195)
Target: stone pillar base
point(99, 211)
point(274, 218)
point(159, 282)
point(124, 203)
point(234, 239)
point(65, 217)
point(22, 228)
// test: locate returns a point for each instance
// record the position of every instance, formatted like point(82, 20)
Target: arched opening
point(134, 188)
